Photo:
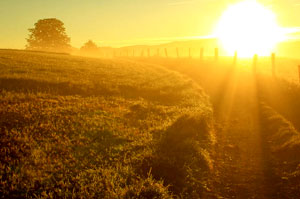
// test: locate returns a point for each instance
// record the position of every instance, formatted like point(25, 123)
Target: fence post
point(190, 56)
point(142, 53)
point(216, 54)
point(158, 52)
point(166, 52)
point(201, 54)
point(299, 72)
point(235, 58)
point(254, 63)
point(273, 65)
point(127, 53)
point(177, 52)
point(148, 52)
point(132, 52)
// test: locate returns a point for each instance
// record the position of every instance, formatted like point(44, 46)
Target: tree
point(90, 49)
point(48, 35)
point(89, 46)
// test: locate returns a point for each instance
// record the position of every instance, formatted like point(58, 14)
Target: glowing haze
point(249, 28)
point(130, 22)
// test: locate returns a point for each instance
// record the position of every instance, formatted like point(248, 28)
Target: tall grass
point(284, 144)
point(283, 96)
point(74, 127)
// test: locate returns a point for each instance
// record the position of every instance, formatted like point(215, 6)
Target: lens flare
point(248, 28)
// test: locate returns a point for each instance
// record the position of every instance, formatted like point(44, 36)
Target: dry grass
point(81, 128)
point(284, 144)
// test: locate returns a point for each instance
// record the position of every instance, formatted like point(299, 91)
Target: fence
point(176, 54)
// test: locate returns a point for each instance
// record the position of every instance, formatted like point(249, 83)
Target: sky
point(127, 22)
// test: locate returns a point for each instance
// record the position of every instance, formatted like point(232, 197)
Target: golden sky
point(129, 22)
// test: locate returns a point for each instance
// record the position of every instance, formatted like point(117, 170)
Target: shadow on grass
point(66, 88)
point(182, 157)
point(61, 88)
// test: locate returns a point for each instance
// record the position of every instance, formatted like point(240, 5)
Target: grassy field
point(74, 127)
point(144, 128)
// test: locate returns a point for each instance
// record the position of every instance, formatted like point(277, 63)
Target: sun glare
point(248, 28)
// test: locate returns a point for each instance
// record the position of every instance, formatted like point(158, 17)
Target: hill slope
point(78, 127)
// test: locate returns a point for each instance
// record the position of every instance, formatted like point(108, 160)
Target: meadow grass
point(284, 148)
point(74, 127)
point(283, 96)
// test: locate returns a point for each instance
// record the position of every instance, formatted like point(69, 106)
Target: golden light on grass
point(249, 28)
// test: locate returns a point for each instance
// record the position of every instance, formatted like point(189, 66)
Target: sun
point(248, 28)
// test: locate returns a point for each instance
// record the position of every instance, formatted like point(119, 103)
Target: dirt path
point(240, 159)
point(240, 155)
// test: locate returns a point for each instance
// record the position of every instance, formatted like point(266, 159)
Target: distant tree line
point(50, 35)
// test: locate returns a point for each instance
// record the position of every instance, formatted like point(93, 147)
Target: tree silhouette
point(90, 49)
point(48, 35)
point(89, 46)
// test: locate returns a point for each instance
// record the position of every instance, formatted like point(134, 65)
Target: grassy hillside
point(89, 128)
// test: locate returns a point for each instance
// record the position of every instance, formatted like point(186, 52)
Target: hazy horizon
point(123, 23)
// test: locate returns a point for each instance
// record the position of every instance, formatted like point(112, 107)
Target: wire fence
point(277, 67)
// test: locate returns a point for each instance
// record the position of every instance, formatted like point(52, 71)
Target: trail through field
point(240, 154)
point(240, 159)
